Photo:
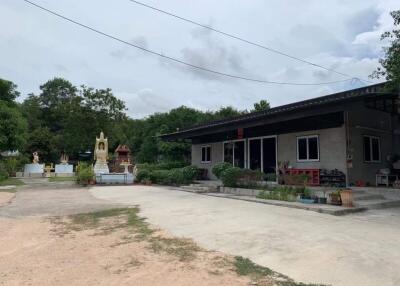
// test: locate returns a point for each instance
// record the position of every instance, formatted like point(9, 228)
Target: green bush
point(283, 193)
point(177, 176)
point(13, 164)
point(3, 172)
point(219, 168)
point(142, 175)
point(230, 176)
point(85, 174)
point(161, 166)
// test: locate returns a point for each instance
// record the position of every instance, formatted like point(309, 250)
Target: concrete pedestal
point(101, 168)
point(64, 170)
point(115, 178)
point(33, 170)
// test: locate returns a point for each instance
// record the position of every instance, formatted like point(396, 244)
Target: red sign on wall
point(240, 133)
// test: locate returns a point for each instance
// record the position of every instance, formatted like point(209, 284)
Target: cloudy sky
point(344, 35)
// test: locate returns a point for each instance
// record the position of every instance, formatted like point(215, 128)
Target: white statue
point(35, 158)
point(101, 155)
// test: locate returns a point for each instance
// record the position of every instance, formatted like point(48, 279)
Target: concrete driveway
point(360, 249)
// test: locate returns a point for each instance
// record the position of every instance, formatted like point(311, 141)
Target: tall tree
point(8, 90)
point(261, 106)
point(13, 126)
point(390, 63)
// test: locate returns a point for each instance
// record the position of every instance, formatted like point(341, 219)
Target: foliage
point(390, 64)
point(283, 193)
point(175, 176)
point(84, 173)
point(3, 172)
point(270, 177)
point(13, 164)
point(237, 177)
point(231, 176)
point(161, 166)
point(8, 91)
point(261, 106)
point(219, 168)
point(13, 127)
point(11, 182)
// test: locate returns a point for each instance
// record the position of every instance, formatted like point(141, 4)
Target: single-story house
point(354, 132)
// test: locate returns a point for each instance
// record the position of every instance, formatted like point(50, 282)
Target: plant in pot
point(335, 198)
point(323, 199)
point(346, 196)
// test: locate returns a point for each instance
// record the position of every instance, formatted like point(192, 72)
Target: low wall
point(239, 191)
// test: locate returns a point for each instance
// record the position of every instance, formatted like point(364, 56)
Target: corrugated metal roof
point(314, 102)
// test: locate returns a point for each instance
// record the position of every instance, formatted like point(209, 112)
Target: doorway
point(263, 154)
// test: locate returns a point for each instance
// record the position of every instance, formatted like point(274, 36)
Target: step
point(198, 189)
point(377, 204)
point(367, 196)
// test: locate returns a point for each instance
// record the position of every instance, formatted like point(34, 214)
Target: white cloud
point(344, 35)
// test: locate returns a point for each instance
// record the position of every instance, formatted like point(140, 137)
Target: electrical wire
point(175, 59)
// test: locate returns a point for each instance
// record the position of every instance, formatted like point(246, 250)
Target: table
point(384, 179)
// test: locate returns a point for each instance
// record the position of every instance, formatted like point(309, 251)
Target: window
point(234, 153)
point(308, 148)
point(372, 149)
point(205, 154)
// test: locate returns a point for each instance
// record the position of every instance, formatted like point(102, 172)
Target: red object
point(313, 175)
point(240, 133)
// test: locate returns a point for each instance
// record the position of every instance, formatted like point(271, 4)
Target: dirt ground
point(39, 251)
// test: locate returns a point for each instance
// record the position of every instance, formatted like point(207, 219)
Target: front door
point(262, 154)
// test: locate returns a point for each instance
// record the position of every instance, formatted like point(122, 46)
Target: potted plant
point(322, 200)
point(346, 195)
point(335, 198)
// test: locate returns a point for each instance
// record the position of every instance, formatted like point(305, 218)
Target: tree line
point(64, 118)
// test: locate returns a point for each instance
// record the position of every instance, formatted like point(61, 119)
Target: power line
point(174, 59)
point(244, 40)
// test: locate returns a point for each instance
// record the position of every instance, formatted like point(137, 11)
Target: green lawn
point(11, 182)
point(62, 179)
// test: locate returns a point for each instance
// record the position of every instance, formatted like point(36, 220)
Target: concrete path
point(358, 249)
point(40, 197)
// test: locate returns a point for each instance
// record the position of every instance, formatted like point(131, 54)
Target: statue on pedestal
point(101, 155)
point(35, 158)
point(64, 159)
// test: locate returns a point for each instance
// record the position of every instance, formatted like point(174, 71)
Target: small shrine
point(122, 154)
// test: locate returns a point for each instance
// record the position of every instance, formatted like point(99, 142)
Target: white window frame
point(204, 147)
point(370, 149)
point(261, 138)
point(233, 141)
point(308, 149)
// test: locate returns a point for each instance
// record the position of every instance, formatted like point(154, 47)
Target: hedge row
point(235, 177)
point(176, 176)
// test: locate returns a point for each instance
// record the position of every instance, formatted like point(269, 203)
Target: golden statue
point(101, 154)
point(64, 159)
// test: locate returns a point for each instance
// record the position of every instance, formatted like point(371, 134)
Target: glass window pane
point(228, 152)
point(313, 148)
point(375, 149)
point(367, 149)
point(208, 155)
point(269, 155)
point(255, 154)
point(302, 148)
point(203, 155)
point(239, 154)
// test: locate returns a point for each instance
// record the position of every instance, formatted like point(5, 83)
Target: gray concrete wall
point(363, 121)
point(332, 149)
point(216, 156)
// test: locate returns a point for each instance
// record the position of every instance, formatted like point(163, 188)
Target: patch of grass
point(11, 182)
point(246, 267)
point(62, 179)
point(128, 218)
point(183, 249)
point(13, 190)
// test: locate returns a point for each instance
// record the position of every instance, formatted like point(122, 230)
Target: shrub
point(161, 166)
point(230, 176)
point(190, 173)
point(283, 193)
point(177, 176)
point(85, 174)
point(13, 164)
point(3, 172)
point(219, 168)
point(142, 175)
